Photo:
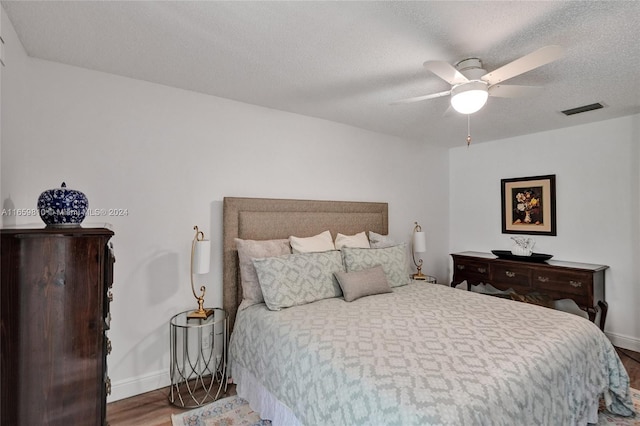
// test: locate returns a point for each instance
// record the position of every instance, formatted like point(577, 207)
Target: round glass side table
point(198, 366)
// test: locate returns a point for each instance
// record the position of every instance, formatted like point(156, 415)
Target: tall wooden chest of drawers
point(581, 282)
point(54, 313)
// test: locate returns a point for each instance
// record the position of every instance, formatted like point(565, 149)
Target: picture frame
point(529, 205)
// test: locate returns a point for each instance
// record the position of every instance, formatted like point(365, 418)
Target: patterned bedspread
point(431, 355)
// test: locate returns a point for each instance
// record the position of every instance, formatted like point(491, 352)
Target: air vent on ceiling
point(584, 108)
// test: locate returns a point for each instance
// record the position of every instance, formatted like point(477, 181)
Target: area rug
point(224, 412)
point(234, 411)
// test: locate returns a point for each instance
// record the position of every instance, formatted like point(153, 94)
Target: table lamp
point(200, 257)
point(418, 245)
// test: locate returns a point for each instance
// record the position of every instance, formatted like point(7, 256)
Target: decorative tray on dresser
point(581, 282)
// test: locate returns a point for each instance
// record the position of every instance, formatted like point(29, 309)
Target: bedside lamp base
point(200, 313)
point(206, 313)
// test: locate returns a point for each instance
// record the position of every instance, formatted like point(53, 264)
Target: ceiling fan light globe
point(469, 97)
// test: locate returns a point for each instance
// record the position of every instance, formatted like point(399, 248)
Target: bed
point(418, 354)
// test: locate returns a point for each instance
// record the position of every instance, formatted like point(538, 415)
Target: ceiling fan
point(471, 85)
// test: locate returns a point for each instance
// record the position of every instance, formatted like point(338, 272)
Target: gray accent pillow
point(300, 278)
point(363, 283)
point(247, 250)
point(392, 259)
point(380, 241)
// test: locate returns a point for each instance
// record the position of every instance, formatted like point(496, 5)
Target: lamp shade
point(201, 256)
point(469, 97)
point(419, 242)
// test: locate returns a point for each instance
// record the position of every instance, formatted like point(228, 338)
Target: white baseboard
point(625, 342)
point(136, 385)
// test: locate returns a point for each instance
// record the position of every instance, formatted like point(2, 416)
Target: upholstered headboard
point(267, 219)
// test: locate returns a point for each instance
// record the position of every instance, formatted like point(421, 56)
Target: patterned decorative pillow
point(358, 240)
point(363, 283)
point(380, 241)
point(298, 279)
point(247, 250)
point(392, 259)
point(320, 242)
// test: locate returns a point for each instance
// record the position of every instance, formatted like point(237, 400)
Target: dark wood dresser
point(55, 295)
point(581, 282)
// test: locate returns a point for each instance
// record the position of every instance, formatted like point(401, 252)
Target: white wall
point(597, 185)
point(169, 156)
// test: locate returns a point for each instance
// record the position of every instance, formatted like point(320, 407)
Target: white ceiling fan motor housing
point(471, 68)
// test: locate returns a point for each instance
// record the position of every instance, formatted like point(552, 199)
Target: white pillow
point(380, 241)
point(320, 242)
point(358, 240)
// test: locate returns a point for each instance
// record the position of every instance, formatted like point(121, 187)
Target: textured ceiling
point(347, 61)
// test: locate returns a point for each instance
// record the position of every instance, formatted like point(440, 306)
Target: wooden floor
point(631, 361)
point(148, 409)
point(153, 408)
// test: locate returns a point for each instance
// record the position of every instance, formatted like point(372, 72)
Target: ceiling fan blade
point(446, 71)
point(511, 91)
point(421, 98)
point(533, 60)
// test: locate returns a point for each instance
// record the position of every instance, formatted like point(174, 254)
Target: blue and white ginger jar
point(62, 206)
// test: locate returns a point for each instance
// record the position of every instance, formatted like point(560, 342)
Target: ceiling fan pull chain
point(468, 130)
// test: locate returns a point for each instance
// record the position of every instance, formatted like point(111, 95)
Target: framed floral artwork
point(529, 205)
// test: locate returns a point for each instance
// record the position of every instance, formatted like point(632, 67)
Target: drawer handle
point(107, 385)
point(510, 274)
point(110, 296)
point(482, 270)
point(109, 347)
point(543, 279)
point(575, 284)
point(461, 267)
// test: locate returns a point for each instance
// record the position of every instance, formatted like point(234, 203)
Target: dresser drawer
point(517, 277)
point(561, 283)
point(474, 271)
